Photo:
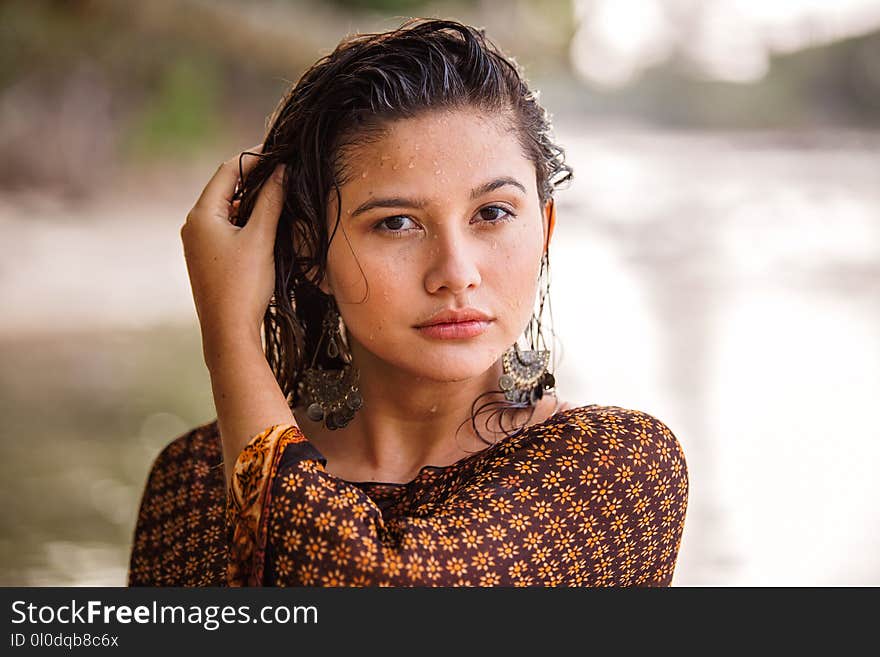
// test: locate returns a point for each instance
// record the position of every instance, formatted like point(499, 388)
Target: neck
point(407, 422)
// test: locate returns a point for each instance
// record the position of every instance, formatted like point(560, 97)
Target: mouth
point(455, 330)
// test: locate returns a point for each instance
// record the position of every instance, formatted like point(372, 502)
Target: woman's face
point(441, 213)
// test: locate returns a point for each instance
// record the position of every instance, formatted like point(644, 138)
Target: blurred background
point(717, 259)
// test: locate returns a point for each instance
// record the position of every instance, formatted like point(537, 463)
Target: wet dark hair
point(343, 101)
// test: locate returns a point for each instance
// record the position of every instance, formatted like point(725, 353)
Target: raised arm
point(232, 273)
point(247, 397)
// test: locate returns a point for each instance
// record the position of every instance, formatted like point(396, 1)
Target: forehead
point(437, 149)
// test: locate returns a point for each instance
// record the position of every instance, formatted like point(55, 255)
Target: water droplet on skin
point(437, 172)
point(411, 165)
point(395, 167)
point(364, 174)
point(494, 245)
point(434, 408)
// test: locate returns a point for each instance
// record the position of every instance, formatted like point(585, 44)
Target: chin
point(436, 360)
point(448, 363)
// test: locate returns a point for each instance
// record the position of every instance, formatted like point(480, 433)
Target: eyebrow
point(399, 202)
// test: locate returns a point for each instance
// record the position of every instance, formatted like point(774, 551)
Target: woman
point(397, 422)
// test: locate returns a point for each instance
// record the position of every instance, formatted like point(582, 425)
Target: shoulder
point(179, 537)
point(201, 444)
point(190, 466)
point(596, 419)
point(615, 437)
point(630, 475)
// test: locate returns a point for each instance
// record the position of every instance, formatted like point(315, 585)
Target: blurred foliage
point(182, 113)
point(41, 37)
point(123, 84)
point(836, 84)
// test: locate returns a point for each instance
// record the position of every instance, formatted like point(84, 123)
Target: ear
point(550, 219)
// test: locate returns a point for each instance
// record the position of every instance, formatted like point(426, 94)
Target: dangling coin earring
point(332, 395)
point(525, 375)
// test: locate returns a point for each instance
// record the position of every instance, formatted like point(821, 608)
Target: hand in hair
point(232, 268)
point(232, 274)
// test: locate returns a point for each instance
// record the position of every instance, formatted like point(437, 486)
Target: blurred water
point(729, 284)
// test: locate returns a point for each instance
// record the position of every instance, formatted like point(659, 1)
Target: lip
point(455, 324)
point(454, 330)
point(452, 316)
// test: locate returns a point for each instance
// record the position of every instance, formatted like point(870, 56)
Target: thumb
point(267, 209)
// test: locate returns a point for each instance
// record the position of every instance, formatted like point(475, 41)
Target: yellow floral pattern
point(593, 496)
point(180, 535)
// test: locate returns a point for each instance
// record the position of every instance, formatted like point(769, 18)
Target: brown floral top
point(593, 496)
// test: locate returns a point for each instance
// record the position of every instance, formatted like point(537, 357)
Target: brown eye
point(395, 226)
point(495, 214)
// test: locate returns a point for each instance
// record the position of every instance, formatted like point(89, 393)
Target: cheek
point(515, 274)
point(347, 281)
point(355, 265)
point(369, 291)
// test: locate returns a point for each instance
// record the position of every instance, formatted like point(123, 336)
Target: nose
point(452, 262)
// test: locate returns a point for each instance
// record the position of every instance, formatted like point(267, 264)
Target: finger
point(267, 209)
point(218, 192)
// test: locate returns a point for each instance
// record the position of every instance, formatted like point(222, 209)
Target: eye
point(394, 226)
point(494, 214)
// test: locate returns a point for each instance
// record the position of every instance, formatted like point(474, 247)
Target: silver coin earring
point(332, 395)
point(525, 376)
